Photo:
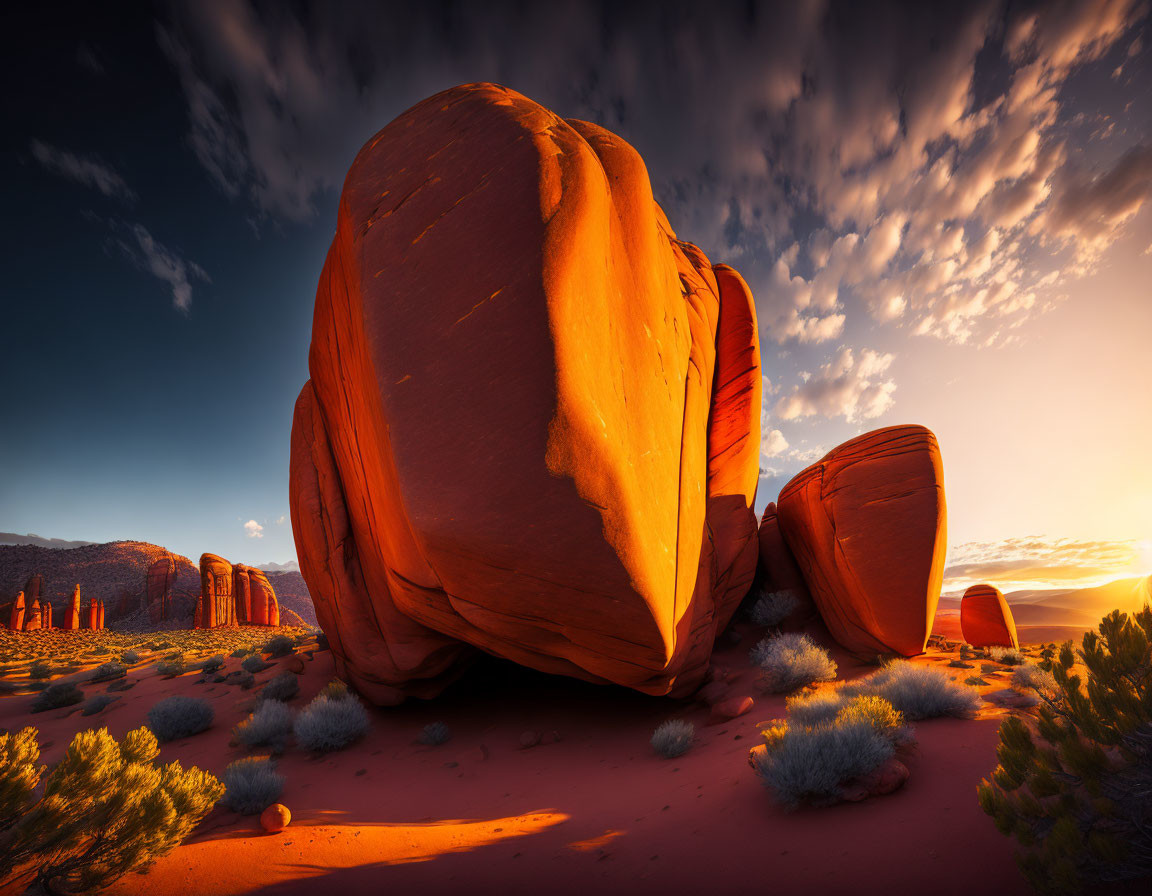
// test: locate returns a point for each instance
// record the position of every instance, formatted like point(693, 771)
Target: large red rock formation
point(216, 604)
point(33, 617)
point(264, 608)
point(504, 276)
point(100, 615)
point(777, 569)
point(986, 619)
point(160, 579)
point(93, 615)
point(46, 616)
point(241, 593)
point(33, 589)
point(72, 612)
point(867, 527)
point(13, 613)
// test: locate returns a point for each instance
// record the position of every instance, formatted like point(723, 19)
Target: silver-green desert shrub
point(280, 645)
point(268, 726)
point(108, 672)
point(39, 671)
point(434, 734)
point(773, 607)
point(95, 704)
point(673, 738)
point(918, 692)
point(254, 664)
point(325, 725)
point(251, 785)
point(213, 664)
point(1009, 656)
point(176, 717)
point(282, 687)
point(58, 695)
point(790, 661)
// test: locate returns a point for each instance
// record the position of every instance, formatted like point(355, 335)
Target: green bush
point(172, 666)
point(791, 661)
point(1008, 656)
point(175, 717)
point(254, 664)
point(812, 759)
point(213, 664)
point(1078, 802)
point(673, 738)
point(56, 696)
point(434, 734)
point(282, 687)
point(280, 645)
point(105, 810)
point(918, 692)
point(336, 689)
point(268, 726)
point(108, 672)
point(325, 725)
point(251, 785)
point(772, 608)
point(39, 671)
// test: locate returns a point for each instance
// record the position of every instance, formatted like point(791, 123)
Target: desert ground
point(590, 808)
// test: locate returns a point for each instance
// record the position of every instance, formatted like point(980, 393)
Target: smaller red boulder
point(986, 619)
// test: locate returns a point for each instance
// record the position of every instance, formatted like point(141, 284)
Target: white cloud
point(253, 529)
point(848, 386)
point(83, 169)
point(160, 261)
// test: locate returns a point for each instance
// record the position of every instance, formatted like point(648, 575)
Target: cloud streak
point(84, 170)
point(165, 264)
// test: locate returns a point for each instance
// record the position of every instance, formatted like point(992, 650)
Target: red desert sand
point(590, 808)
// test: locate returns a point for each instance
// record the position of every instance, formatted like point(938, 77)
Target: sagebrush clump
point(823, 746)
point(1008, 656)
point(918, 692)
point(105, 809)
point(773, 607)
point(251, 785)
point(791, 661)
point(39, 671)
point(1078, 801)
point(108, 672)
point(172, 666)
point(213, 664)
point(673, 738)
point(325, 724)
point(56, 696)
point(434, 734)
point(280, 645)
point(175, 717)
point(268, 726)
point(282, 687)
point(254, 664)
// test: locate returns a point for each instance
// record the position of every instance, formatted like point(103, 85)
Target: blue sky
point(943, 217)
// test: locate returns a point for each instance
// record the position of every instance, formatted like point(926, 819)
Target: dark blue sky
point(936, 206)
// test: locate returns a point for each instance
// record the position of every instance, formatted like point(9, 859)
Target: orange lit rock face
point(33, 617)
point(93, 616)
point(161, 578)
point(12, 614)
point(72, 611)
point(777, 569)
point(264, 608)
point(532, 423)
point(867, 527)
point(986, 619)
point(216, 604)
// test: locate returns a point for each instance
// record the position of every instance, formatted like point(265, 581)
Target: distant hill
point(40, 541)
point(116, 573)
point(290, 566)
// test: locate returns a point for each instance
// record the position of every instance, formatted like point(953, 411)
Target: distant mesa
point(141, 587)
point(504, 275)
point(986, 619)
point(867, 527)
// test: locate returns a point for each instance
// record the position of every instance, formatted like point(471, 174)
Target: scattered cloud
point(1038, 562)
point(253, 529)
point(853, 386)
point(281, 520)
point(90, 172)
point(163, 263)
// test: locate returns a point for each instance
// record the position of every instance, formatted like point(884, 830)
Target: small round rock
point(275, 818)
